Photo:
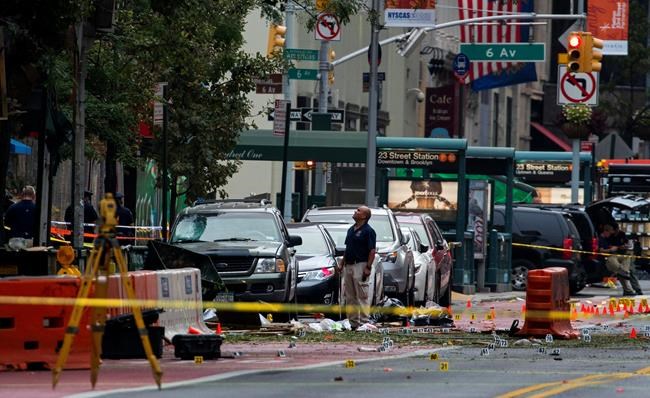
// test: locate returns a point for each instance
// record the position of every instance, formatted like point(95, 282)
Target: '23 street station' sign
point(440, 161)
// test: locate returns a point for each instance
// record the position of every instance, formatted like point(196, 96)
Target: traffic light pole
point(371, 154)
point(575, 159)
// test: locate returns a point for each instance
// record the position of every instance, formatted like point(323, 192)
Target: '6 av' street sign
point(500, 52)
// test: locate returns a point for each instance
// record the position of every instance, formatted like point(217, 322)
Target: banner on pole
point(607, 20)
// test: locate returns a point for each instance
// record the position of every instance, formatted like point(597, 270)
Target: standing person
point(356, 265)
point(124, 218)
point(90, 215)
point(629, 280)
point(21, 216)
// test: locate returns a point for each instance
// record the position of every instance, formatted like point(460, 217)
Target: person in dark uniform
point(90, 215)
point(21, 216)
point(124, 218)
point(356, 265)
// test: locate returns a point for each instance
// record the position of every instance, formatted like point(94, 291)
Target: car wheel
point(519, 274)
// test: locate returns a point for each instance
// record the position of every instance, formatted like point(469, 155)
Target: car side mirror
point(294, 240)
point(424, 248)
point(406, 239)
point(340, 251)
point(440, 245)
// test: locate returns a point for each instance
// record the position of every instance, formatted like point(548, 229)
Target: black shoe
point(639, 292)
point(629, 294)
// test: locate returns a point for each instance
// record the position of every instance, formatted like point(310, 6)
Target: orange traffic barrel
point(547, 304)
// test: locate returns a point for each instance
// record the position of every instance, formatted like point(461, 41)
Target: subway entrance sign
point(522, 52)
point(417, 159)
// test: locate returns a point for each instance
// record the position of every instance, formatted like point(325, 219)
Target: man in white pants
point(356, 265)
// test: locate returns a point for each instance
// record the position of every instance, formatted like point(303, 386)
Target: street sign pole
point(372, 106)
point(323, 68)
point(575, 161)
point(287, 178)
point(286, 205)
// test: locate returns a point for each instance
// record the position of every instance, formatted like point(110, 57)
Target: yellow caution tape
point(578, 251)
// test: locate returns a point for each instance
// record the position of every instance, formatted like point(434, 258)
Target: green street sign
point(300, 54)
point(499, 52)
point(303, 74)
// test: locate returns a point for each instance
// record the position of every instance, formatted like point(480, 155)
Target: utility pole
point(371, 154)
point(80, 136)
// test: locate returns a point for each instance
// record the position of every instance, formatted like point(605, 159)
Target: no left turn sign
point(327, 27)
point(577, 88)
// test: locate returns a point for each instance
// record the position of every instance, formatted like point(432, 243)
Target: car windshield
point(418, 227)
point(313, 242)
point(226, 226)
point(338, 235)
point(380, 223)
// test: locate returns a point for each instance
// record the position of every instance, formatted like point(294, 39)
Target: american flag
point(490, 32)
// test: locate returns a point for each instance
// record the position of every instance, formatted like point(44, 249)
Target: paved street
point(504, 372)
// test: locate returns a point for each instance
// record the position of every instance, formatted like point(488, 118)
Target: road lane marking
point(557, 387)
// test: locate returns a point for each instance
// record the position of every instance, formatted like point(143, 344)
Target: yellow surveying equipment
point(105, 249)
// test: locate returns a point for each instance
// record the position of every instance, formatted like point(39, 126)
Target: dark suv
point(396, 259)
point(249, 245)
point(595, 270)
point(532, 230)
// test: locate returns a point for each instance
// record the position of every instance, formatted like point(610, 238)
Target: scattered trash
point(209, 315)
point(367, 349)
point(367, 327)
point(522, 342)
point(388, 370)
point(388, 302)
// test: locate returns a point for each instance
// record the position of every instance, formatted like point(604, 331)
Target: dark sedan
point(318, 282)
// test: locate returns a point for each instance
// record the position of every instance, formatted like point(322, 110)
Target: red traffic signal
point(575, 41)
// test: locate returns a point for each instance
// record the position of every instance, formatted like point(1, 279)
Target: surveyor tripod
point(105, 250)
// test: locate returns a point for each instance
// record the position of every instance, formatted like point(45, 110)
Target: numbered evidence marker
point(198, 359)
point(472, 316)
point(444, 366)
point(350, 363)
point(472, 330)
point(491, 346)
point(586, 338)
point(503, 343)
point(433, 357)
point(458, 317)
point(549, 338)
point(556, 351)
point(541, 350)
point(485, 351)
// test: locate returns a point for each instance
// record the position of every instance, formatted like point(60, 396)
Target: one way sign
point(294, 114)
point(337, 114)
point(304, 114)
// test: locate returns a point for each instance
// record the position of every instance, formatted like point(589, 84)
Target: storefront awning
point(19, 148)
point(551, 136)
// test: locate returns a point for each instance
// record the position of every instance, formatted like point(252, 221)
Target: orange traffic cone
point(523, 308)
point(469, 303)
point(193, 330)
point(604, 312)
point(493, 313)
point(583, 309)
point(449, 310)
point(633, 333)
point(640, 309)
point(218, 327)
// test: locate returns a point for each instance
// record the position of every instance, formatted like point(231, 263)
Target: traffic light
point(304, 165)
point(276, 39)
point(331, 56)
point(576, 47)
point(594, 54)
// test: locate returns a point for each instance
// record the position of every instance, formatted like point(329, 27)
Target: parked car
point(338, 232)
point(425, 267)
point(249, 245)
point(396, 259)
point(536, 228)
point(431, 236)
point(318, 282)
point(595, 270)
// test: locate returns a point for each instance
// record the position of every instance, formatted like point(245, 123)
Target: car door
point(442, 256)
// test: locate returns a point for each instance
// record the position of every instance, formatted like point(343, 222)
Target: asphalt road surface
point(461, 372)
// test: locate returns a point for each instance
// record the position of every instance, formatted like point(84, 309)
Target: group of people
point(615, 245)
point(20, 217)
